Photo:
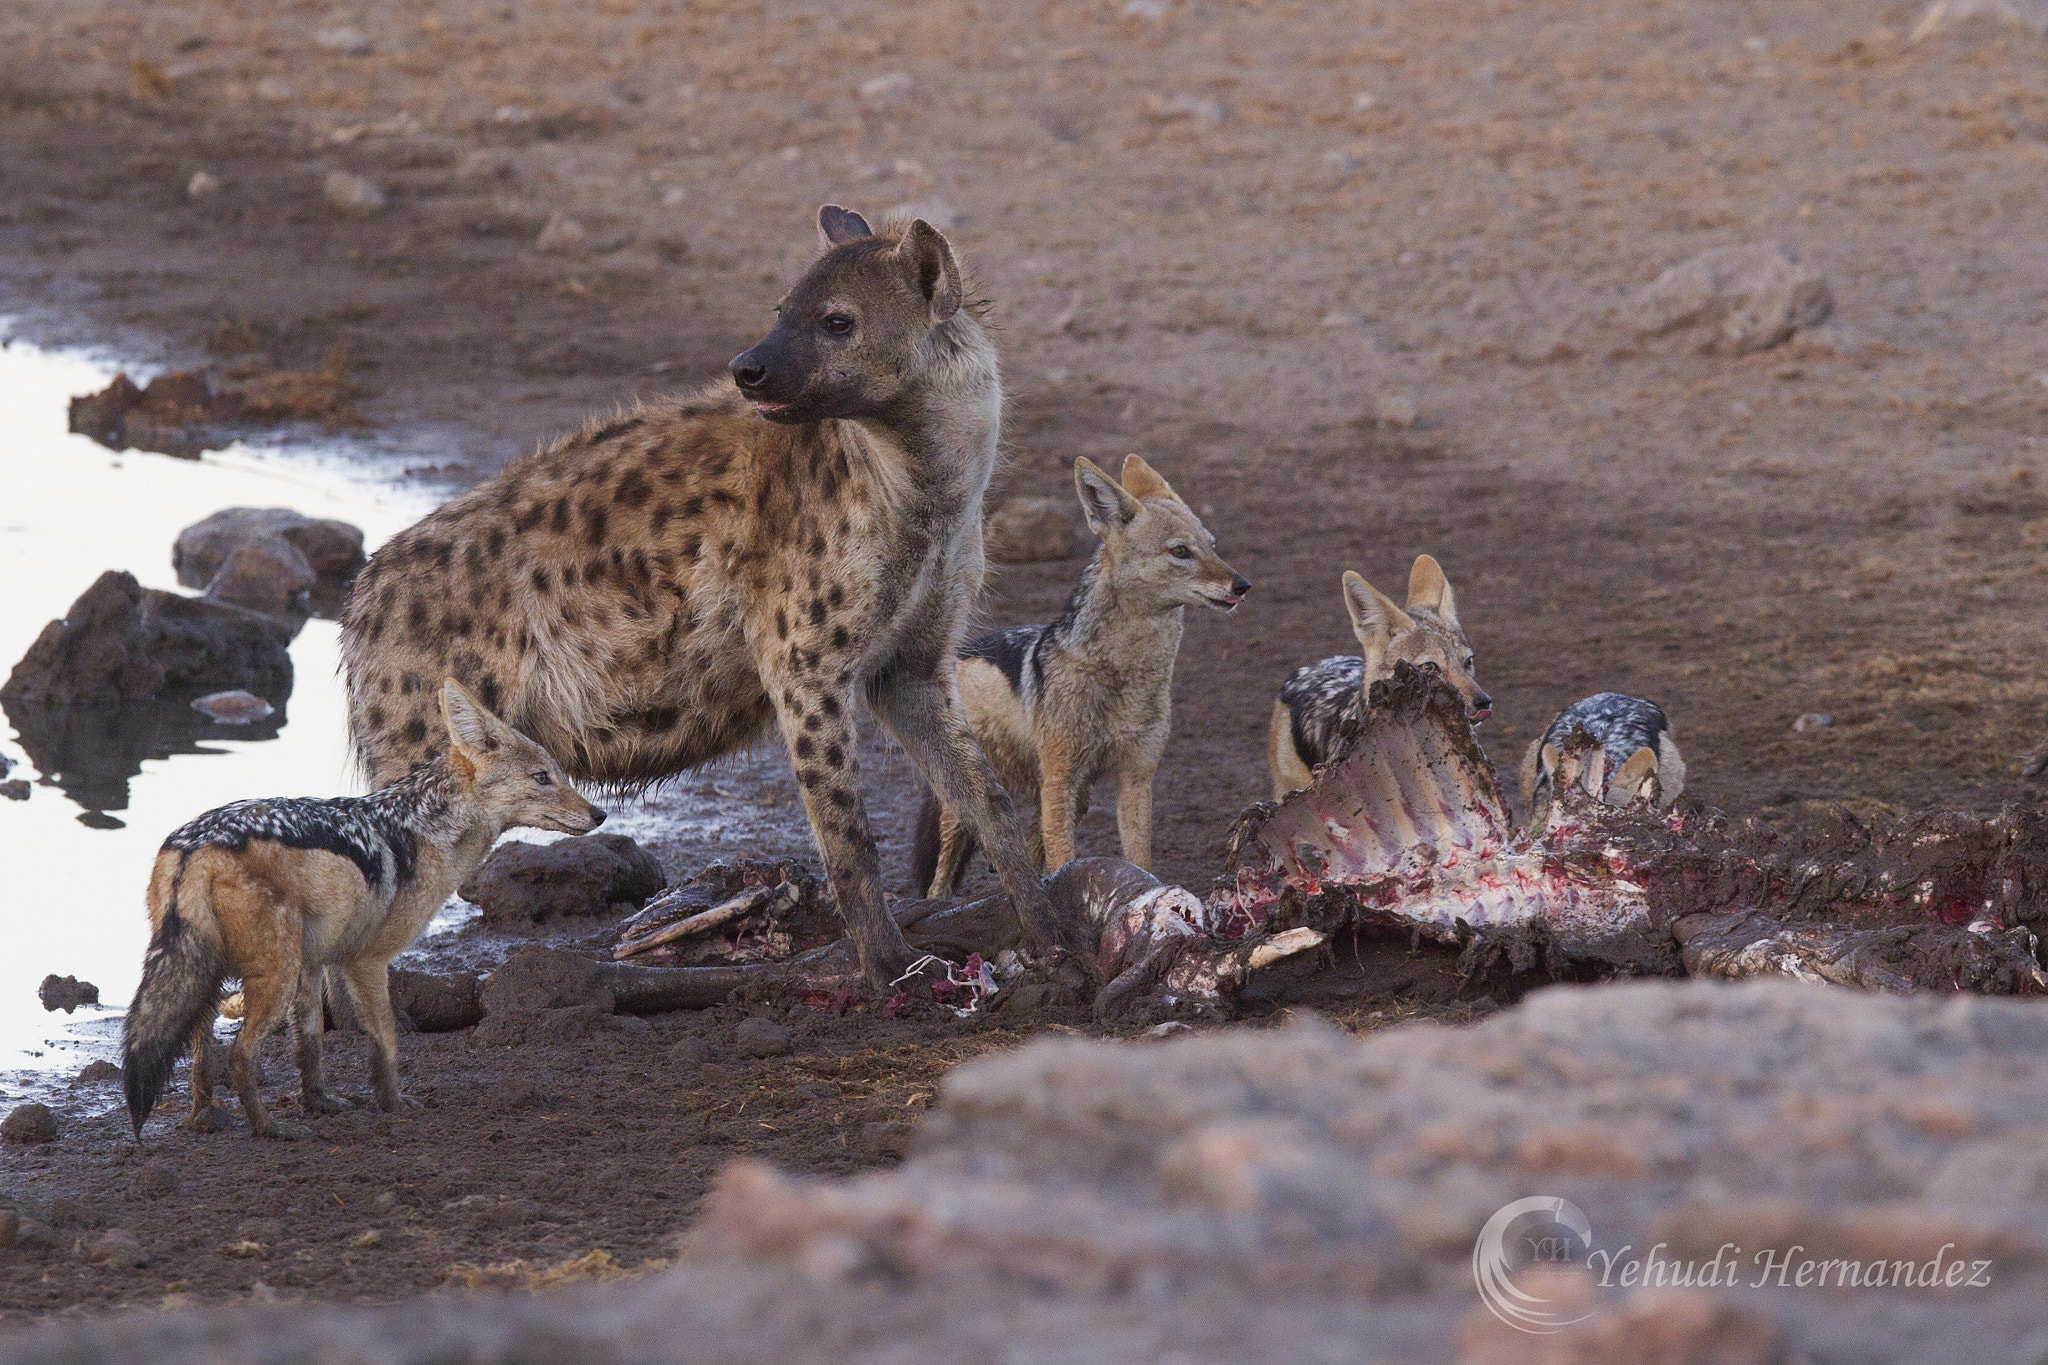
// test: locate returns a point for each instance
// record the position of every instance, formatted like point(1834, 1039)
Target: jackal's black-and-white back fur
point(1624, 727)
point(1058, 706)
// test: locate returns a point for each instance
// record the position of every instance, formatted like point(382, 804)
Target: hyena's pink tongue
point(1406, 828)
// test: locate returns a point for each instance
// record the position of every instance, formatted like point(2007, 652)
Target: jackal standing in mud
point(1317, 697)
point(1636, 741)
point(1056, 707)
point(648, 594)
point(275, 891)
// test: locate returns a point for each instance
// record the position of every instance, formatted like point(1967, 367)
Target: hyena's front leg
point(817, 726)
point(925, 716)
point(309, 1021)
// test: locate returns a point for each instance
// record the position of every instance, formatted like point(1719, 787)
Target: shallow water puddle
point(75, 857)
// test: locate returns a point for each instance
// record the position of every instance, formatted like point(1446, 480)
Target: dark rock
point(436, 1003)
point(689, 1053)
point(99, 652)
point(17, 790)
point(211, 1119)
point(332, 549)
point(523, 884)
point(175, 414)
point(66, 993)
point(891, 1137)
point(267, 575)
point(121, 642)
point(712, 1074)
point(34, 1237)
point(98, 1073)
point(29, 1123)
point(101, 415)
point(67, 1212)
point(764, 1038)
point(570, 1024)
point(157, 1178)
point(1744, 298)
point(117, 1247)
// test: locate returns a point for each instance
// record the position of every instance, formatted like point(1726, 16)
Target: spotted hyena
point(652, 592)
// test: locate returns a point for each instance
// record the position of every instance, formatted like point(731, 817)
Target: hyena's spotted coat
point(652, 592)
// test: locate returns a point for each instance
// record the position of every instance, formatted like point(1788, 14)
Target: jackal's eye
point(543, 780)
point(1180, 552)
point(837, 324)
point(1469, 662)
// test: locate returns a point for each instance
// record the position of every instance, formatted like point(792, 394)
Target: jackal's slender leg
point(817, 725)
point(202, 1064)
point(952, 852)
point(1056, 801)
point(369, 985)
point(1134, 815)
point(925, 716)
point(309, 1021)
point(263, 1009)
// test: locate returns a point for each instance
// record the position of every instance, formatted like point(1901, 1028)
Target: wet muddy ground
point(1240, 238)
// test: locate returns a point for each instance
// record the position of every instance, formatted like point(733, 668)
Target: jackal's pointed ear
point(928, 259)
point(470, 726)
point(1104, 501)
point(838, 226)
point(1141, 480)
point(1373, 613)
point(1429, 590)
point(1634, 777)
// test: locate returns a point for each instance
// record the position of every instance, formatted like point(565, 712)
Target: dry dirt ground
point(1237, 237)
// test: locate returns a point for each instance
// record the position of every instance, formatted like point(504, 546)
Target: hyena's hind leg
point(309, 1022)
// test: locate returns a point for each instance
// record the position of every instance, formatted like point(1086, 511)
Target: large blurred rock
point(523, 884)
point(1736, 298)
point(332, 549)
point(123, 642)
point(1298, 1194)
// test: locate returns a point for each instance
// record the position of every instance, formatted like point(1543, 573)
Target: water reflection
point(90, 753)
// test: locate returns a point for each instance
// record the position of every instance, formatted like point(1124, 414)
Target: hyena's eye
point(837, 324)
point(543, 780)
point(1180, 552)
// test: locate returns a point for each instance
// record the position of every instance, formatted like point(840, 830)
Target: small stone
point(66, 993)
point(243, 1250)
point(891, 1137)
point(346, 39)
point(202, 185)
point(1811, 721)
point(1205, 111)
point(711, 1074)
point(67, 1212)
point(117, 1247)
point(275, 90)
point(233, 708)
point(1168, 1029)
point(386, 1201)
point(101, 1072)
point(29, 1123)
point(1397, 411)
point(17, 790)
point(484, 168)
point(885, 86)
point(764, 1038)
point(690, 1052)
point(352, 193)
point(267, 575)
point(563, 236)
point(513, 1093)
point(367, 1239)
point(211, 1119)
point(157, 1178)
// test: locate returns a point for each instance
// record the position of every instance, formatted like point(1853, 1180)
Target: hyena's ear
point(1429, 590)
point(928, 259)
point(1142, 481)
point(1105, 502)
point(1373, 614)
point(470, 726)
point(838, 226)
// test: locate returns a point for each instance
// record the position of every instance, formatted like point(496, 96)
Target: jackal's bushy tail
point(181, 976)
point(924, 848)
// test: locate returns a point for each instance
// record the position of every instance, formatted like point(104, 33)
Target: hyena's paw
point(320, 1102)
point(398, 1102)
point(278, 1132)
point(211, 1119)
